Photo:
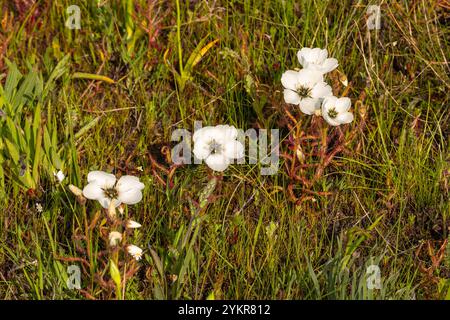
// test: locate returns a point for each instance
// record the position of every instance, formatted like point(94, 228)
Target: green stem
point(180, 50)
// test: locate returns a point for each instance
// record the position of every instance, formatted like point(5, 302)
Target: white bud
point(114, 238)
point(59, 175)
point(131, 224)
point(76, 191)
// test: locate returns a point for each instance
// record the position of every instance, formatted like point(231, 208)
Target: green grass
point(389, 202)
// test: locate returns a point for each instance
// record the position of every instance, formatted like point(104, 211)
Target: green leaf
point(115, 276)
point(61, 68)
point(13, 151)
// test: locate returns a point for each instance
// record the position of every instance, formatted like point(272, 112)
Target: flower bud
point(114, 238)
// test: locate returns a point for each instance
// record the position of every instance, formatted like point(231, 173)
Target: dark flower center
point(332, 113)
point(215, 147)
point(304, 92)
point(111, 193)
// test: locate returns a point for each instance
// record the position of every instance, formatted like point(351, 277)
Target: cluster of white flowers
point(218, 146)
point(111, 193)
point(307, 88)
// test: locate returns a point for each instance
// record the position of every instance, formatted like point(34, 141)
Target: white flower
point(335, 110)
point(135, 251)
point(39, 207)
point(59, 175)
point(305, 88)
point(133, 224)
point(114, 238)
point(104, 188)
point(217, 146)
point(316, 59)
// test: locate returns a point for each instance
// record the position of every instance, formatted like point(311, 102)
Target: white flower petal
point(321, 90)
point(330, 120)
point(129, 189)
point(127, 183)
point(343, 104)
point(201, 149)
point(208, 134)
point(105, 202)
point(345, 117)
point(217, 162)
point(93, 191)
point(59, 175)
point(233, 149)
point(322, 56)
point(227, 132)
point(316, 59)
point(199, 133)
point(309, 77)
point(289, 79)
point(317, 56)
point(302, 55)
point(131, 196)
point(312, 56)
point(104, 179)
point(309, 106)
point(328, 103)
point(329, 65)
point(291, 97)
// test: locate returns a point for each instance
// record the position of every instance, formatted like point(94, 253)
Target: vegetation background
point(109, 95)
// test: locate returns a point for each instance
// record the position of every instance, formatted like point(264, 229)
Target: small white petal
point(217, 162)
point(321, 90)
point(343, 104)
point(203, 133)
point(132, 196)
point(291, 97)
point(227, 132)
point(316, 59)
point(207, 134)
point(308, 105)
point(322, 56)
point(346, 117)
point(328, 102)
point(59, 175)
point(105, 202)
point(309, 77)
point(202, 149)
point(289, 79)
point(302, 54)
point(127, 183)
point(329, 65)
point(233, 149)
point(129, 189)
point(104, 179)
point(93, 191)
point(330, 120)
